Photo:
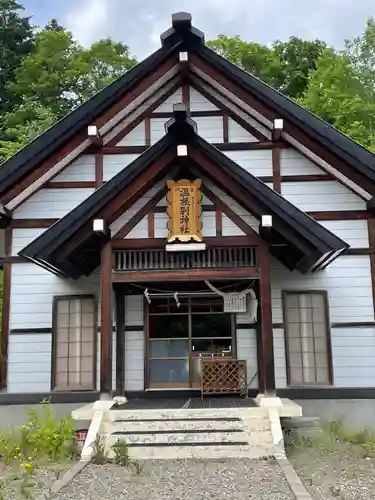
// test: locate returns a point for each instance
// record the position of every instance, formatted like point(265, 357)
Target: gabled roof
point(358, 157)
point(182, 36)
point(311, 242)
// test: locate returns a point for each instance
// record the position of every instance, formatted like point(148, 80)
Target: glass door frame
point(190, 384)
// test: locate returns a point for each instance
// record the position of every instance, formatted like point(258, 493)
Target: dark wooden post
point(120, 342)
point(106, 319)
point(266, 358)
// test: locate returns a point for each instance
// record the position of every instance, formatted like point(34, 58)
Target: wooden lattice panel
point(223, 376)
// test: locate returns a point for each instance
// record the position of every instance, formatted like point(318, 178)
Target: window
point(307, 338)
point(74, 343)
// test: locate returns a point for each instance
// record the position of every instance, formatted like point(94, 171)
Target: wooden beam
point(191, 274)
point(219, 222)
point(70, 185)
point(248, 230)
point(186, 97)
point(313, 145)
point(267, 369)
point(193, 114)
point(276, 162)
point(145, 114)
point(5, 319)
point(159, 243)
point(79, 138)
point(122, 202)
point(32, 223)
point(143, 212)
point(151, 225)
point(99, 169)
point(243, 123)
point(232, 187)
point(106, 327)
point(230, 146)
point(120, 342)
point(148, 131)
point(225, 128)
point(342, 215)
point(94, 136)
point(371, 237)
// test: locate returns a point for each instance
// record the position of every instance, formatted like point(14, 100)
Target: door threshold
point(172, 390)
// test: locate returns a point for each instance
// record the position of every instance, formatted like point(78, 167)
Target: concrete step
point(181, 438)
point(175, 425)
point(188, 414)
point(196, 451)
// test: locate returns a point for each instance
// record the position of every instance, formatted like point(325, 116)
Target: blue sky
point(139, 23)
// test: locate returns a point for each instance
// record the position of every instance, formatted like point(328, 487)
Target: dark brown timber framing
point(4, 337)
point(106, 320)
point(120, 342)
point(371, 237)
point(71, 247)
point(233, 80)
point(266, 371)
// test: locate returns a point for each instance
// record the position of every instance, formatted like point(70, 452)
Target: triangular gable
point(312, 243)
point(148, 217)
point(249, 98)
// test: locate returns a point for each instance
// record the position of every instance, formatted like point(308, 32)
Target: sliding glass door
point(178, 337)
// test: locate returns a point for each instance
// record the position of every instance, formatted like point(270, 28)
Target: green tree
point(23, 125)
point(16, 41)
point(336, 93)
point(61, 74)
point(285, 65)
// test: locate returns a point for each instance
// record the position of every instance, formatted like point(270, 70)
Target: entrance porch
point(182, 326)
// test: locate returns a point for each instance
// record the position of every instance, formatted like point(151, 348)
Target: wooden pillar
point(120, 342)
point(106, 324)
point(4, 335)
point(266, 357)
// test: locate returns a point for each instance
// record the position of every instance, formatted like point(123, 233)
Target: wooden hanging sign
point(184, 210)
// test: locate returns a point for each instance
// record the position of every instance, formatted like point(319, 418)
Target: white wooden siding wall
point(321, 196)
point(257, 162)
point(167, 105)
point(134, 343)
point(353, 351)
point(241, 212)
point(21, 237)
point(141, 229)
point(210, 128)
point(51, 203)
point(293, 163)
point(136, 137)
point(31, 300)
point(113, 164)
point(81, 169)
point(236, 133)
point(354, 232)
point(348, 284)
point(247, 347)
point(199, 103)
point(157, 130)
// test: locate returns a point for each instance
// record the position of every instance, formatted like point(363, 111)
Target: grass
point(45, 444)
point(335, 437)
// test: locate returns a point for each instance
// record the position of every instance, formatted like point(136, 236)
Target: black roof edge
point(323, 239)
point(182, 29)
point(179, 129)
point(91, 206)
point(345, 148)
point(26, 159)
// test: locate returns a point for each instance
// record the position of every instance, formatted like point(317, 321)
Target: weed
point(121, 451)
point(99, 454)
